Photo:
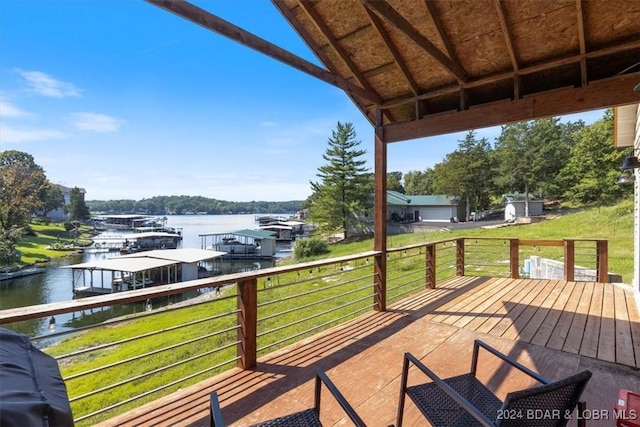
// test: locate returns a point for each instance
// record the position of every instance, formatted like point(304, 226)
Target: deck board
point(634, 324)
point(560, 321)
point(607, 344)
point(591, 337)
point(535, 323)
point(576, 332)
point(501, 320)
point(518, 325)
point(624, 341)
point(560, 332)
point(516, 307)
point(551, 320)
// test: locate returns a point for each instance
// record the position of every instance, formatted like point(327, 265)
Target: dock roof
point(130, 265)
point(183, 255)
point(147, 260)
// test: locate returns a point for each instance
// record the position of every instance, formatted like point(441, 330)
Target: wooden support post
point(431, 265)
point(569, 260)
point(514, 258)
point(460, 257)
point(248, 322)
point(380, 216)
point(602, 262)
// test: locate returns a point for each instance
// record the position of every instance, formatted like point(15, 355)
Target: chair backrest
point(547, 405)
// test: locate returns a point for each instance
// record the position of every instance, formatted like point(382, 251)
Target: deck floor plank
point(537, 320)
point(559, 334)
point(510, 300)
point(527, 294)
point(624, 341)
point(634, 324)
point(607, 342)
point(453, 309)
point(574, 338)
point(591, 337)
point(482, 302)
point(515, 330)
point(546, 328)
point(492, 306)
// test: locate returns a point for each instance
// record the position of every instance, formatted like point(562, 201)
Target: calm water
point(56, 283)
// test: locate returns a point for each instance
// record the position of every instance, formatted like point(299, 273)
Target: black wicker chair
point(308, 417)
point(464, 401)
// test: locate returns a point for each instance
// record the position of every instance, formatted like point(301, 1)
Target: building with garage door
point(433, 208)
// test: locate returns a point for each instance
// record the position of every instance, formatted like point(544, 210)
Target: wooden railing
point(264, 310)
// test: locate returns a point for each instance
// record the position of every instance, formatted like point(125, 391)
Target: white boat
point(247, 244)
point(232, 245)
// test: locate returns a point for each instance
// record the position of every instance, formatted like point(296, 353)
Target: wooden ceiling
point(440, 66)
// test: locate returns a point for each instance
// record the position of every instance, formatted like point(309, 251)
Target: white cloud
point(95, 122)
point(11, 135)
point(7, 109)
point(45, 85)
point(268, 124)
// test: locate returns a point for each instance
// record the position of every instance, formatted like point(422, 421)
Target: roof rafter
point(397, 58)
point(508, 38)
point(569, 59)
point(216, 24)
point(389, 14)
point(339, 50)
point(447, 45)
point(583, 45)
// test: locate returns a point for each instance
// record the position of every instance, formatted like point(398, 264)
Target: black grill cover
point(32, 392)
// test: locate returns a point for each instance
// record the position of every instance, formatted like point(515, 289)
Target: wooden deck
point(555, 327)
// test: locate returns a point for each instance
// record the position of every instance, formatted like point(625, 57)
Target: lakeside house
point(59, 214)
point(424, 208)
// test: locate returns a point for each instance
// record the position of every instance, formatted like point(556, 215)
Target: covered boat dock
point(139, 270)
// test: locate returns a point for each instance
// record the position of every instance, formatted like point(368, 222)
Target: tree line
point(185, 205)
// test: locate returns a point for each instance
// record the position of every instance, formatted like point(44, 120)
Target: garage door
point(435, 214)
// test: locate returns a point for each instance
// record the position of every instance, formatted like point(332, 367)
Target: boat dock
point(241, 244)
point(140, 270)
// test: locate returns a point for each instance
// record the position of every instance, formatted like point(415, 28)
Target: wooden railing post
point(569, 260)
point(460, 257)
point(602, 261)
point(514, 258)
point(248, 322)
point(430, 269)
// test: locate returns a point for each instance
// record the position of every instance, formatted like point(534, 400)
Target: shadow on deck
point(555, 327)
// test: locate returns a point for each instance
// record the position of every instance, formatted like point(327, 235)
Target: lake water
point(56, 284)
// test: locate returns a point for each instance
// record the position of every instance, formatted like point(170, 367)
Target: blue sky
point(129, 101)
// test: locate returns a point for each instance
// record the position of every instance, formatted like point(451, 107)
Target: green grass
point(614, 223)
point(34, 248)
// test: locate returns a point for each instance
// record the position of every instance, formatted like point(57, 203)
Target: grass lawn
point(614, 223)
point(34, 248)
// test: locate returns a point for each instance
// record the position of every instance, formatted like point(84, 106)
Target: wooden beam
point(388, 13)
point(380, 214)
point(581, 39)
point(602, 94)
point(393, 50)
point(508, 38)
point(504, 75)
point(218, 25)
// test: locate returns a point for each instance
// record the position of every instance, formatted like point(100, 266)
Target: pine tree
point(345, 188)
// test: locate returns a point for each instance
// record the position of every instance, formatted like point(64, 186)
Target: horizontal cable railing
point(117, 364)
